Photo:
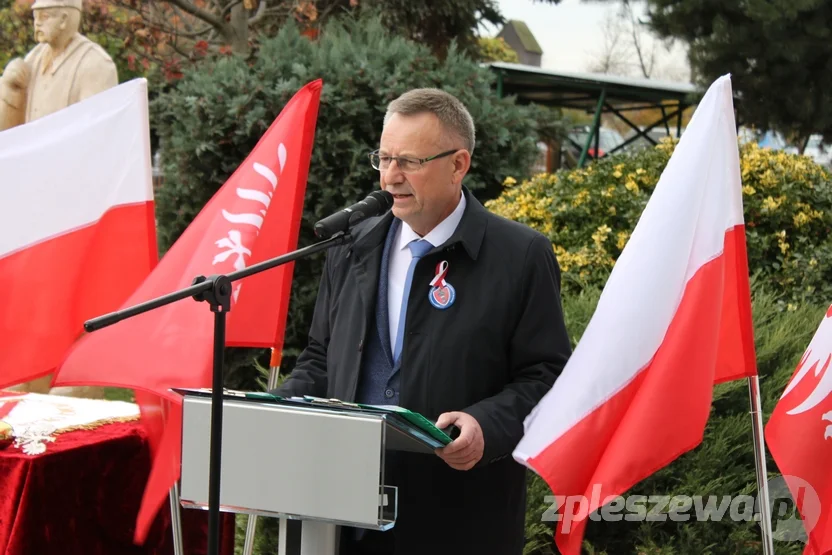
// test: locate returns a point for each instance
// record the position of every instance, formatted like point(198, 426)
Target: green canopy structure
point(598, 94)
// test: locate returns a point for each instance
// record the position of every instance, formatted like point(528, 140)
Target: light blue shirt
point(400, 260)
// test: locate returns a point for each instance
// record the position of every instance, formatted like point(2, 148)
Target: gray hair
point(451, 112)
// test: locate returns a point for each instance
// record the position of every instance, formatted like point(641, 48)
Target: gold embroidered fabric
point(37, 418)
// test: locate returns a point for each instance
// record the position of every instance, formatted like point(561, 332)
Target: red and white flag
point(255, 216)
point(799, 436)
point(674, 318)
point(77, 234)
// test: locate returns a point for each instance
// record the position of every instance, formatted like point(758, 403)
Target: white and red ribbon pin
point(442, 293)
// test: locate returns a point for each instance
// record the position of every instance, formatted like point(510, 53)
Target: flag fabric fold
point(799, 437)
point(78, 233)
point(254, 216)
point(674, 319)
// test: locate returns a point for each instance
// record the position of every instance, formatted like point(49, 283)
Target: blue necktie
point(418, 248)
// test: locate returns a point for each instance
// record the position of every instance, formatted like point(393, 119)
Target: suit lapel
point(368, 251)
point(382, 308)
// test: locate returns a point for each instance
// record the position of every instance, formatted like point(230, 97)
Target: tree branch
point(184, 19)
point(185, 55)
point(189, 31)
point(258, 16)
point(227, 10)
point(205, 16)
point(324, 15)
point(637, 41)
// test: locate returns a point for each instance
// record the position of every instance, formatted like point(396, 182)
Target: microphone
point(377, 202)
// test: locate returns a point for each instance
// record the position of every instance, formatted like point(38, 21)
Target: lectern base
point(318, 538)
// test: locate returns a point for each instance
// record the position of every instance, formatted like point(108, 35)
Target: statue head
point(56, 21)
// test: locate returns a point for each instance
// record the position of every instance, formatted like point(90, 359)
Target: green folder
point(413, 418)
point(262, 395)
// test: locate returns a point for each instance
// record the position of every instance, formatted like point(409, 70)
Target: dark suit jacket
point(493, 354)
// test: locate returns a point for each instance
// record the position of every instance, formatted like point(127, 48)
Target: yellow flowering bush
point(589, 213)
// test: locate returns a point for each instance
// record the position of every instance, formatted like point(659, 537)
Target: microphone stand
point(216, 291)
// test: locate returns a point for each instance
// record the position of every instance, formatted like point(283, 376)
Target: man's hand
point(466, 450)
point(17, 74)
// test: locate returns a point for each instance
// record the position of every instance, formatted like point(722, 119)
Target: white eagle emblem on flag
point(816, 361)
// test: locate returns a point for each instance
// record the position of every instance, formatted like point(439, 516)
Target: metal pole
point(251, 526)
point(679, 121)
point(760, 459)
point(175, 507)
point(595, 121)
point(176, 520)
point(274, 369)
point(215, 468)
point(317, 538)
point(666, 122)
point(251, 530)
point(283, 537)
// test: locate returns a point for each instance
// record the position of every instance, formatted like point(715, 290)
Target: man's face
point(50, 23)
point(422, 198)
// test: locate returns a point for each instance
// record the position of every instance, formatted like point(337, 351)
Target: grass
point(118, 394)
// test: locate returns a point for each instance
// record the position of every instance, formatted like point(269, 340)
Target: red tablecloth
point(82, 496)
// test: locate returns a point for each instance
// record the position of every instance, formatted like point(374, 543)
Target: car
point(608, 139)
point(656, 134)
point(818, 151)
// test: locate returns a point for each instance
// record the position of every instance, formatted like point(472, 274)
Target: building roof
point(526, 37)
point(579, 90)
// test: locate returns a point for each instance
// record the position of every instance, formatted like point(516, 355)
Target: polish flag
point(255, 216)
point(77, 234)
point(674, 319)
point(799, 436)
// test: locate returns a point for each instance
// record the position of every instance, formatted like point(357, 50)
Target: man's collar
point(440, 234)
point(469, 232)
point(371, 233)
point(471, 229)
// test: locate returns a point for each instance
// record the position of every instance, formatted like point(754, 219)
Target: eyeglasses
point(406, 164)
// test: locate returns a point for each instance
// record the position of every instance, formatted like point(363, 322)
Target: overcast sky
point(572, 36)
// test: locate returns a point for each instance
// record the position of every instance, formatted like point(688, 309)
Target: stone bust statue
point(64, 68)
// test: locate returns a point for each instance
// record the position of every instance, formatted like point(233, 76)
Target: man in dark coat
point(450, 311)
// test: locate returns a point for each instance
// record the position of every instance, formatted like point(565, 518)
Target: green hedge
point(213, 118)
point(589, 214)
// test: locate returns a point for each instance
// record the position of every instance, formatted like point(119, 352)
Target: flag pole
point(760, 460)
point(274, 369)
point(176, 520)
point(251, 527)
point(175, 511)
point(251, 530)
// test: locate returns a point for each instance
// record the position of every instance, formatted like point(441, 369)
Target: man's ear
point(64, 20)
point(462, 163)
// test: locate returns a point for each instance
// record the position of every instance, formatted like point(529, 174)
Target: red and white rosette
point(442, 293)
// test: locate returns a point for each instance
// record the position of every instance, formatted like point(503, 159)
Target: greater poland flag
point(799, 436)
point(77, 234)
point(674, 318)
